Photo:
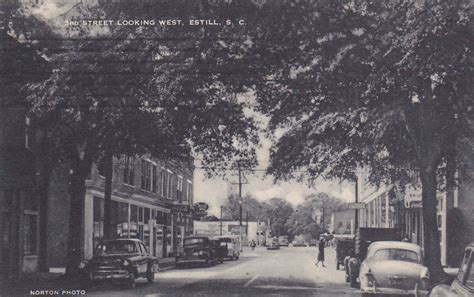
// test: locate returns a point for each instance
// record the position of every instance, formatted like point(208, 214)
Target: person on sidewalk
point(321, 247)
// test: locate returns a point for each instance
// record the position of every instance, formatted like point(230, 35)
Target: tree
point(276, 213)
point(354, 84)
point(107, 98)
point(313, 216)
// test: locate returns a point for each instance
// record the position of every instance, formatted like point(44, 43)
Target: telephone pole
point(240, 183)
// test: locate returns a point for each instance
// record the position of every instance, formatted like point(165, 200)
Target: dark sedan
point(120, 261)
point(198, 250)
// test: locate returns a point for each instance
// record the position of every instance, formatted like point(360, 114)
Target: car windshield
point(194, 241)
point(116, 248)
point(396, 255)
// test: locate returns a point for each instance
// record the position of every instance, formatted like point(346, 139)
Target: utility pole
point(247, 224)
point(221, 219)
point(356, 219)
point(324, 227)
point(240, 205)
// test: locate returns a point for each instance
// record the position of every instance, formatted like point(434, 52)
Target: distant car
point(274, 244)
point(283, 241)
point(233, 249)
point(299, 243)
point(120, 261)
point(313, 242)
point(463, 284)
point(393, 268)
point(197, 250)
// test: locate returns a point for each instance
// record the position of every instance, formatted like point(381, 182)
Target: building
point(385, 207)
point(255, 231)
point(151, 201)
point(20, 207)
point(342, 222)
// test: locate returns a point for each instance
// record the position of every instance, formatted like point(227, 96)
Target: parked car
point(463, 284)
point(313, 242)
point(233, 248)
point(395, 268)
point(220, 247)
point(273, 244)
point(197, 250)
point(363, 238)
point(343, 248)
point(120, 261)
point(283, 240)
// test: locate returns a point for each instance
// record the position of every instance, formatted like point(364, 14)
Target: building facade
point(20, 207)
point(151, 201)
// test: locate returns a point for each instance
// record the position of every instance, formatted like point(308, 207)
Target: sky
point(215, 191)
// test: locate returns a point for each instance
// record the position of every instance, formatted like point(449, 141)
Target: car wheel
point(337, 266)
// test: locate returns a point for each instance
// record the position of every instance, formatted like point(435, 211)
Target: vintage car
point(313, 242)
point(220, 248)
point(197, 250)
point(463, 284)
point(120, 261)
point(393, 268)
point(233, 250)
point(274, 244)
point(283, 240)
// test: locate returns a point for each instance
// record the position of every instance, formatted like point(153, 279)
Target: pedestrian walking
point(321, 247)
point(252, 244)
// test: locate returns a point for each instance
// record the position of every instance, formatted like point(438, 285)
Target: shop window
point(129, 171)
point(98, 220)
point(122, 222)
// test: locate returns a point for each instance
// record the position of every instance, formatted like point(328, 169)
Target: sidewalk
point(53, 283)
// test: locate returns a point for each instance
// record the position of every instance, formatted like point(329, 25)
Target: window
point(146, 176)
point(31, 223)
point(464, 265)
point(189, 191)
point(129, 171)
point(154, 179)
point(396, 255)
point(163, 182)
point(179, 189)
point(470, 275)
point(170, 184)
point(30, 243)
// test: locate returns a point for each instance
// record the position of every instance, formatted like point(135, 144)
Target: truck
point(363, 238)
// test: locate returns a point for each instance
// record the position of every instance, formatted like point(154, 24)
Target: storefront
point(134, 219)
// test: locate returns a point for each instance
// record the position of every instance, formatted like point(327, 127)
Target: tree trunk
point(109, 231)
point(77, 190)
point(430, 225)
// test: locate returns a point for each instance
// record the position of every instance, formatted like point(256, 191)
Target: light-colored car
point(233, 246)
point(274, 244)
point(463, 284)
point(395, 268)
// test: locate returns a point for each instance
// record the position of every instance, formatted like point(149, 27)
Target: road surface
point(290, 271)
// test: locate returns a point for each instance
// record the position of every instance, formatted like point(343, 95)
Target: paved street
point(286, 272)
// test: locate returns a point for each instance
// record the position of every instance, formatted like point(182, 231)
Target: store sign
point(175, 208)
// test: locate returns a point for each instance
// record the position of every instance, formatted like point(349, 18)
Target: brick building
point(146, 194)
